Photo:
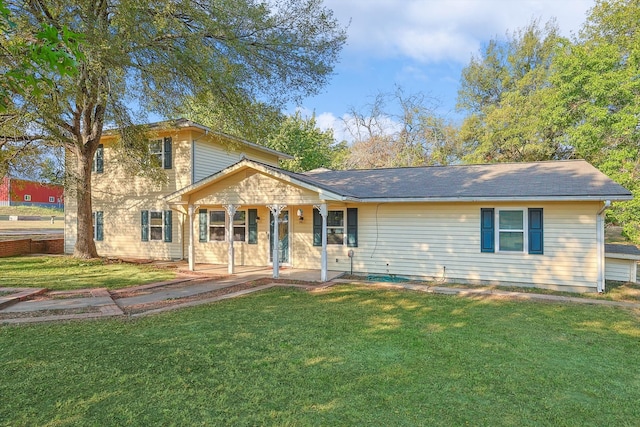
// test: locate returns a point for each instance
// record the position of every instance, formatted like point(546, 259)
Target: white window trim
point(161, 226)
point(525, 229)
point(226, 226)
point(52, 199)
point(93, 224)
point(27, 197)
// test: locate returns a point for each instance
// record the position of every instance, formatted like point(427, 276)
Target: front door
point(283, 237)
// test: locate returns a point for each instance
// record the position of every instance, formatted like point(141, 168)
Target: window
point(160, 152)
point(216, 226)
point(98, 160)
point(336, 227)
point(27, 197)
point(156, 225)
point(52, 199)
point(511, 230)
point(239, 226)
point(511, 225)
point(98, 226)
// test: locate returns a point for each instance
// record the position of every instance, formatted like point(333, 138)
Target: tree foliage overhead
point(506, 92)
point(598, 91)
point(150, 56)
point(398, 130)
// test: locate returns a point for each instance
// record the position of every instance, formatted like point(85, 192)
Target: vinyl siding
point(421, 239)
point(621, 270)
point(211, 156)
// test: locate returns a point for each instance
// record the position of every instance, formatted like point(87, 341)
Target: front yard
point(346, 356)
point(66, 273)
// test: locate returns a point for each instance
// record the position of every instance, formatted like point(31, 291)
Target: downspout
point(600, 244)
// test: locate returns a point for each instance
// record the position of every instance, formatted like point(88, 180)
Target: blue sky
point(422, 46)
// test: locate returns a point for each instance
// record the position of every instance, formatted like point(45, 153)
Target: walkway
point(29, 305)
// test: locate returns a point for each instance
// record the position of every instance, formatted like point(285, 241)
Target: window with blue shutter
point(99, 226)
point(202, 225)
point(352, 227)
point(536, 238)
point(167, 226)
point(487, 230)
point(167, 153)
point(253, 227)
point(144, 225)
point(317, 228)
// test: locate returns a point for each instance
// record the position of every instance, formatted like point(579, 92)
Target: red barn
point(20, 192)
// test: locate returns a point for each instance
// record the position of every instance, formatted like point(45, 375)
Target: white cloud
point(444, 30)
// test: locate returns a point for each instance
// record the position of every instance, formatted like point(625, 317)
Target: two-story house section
point(131, 219)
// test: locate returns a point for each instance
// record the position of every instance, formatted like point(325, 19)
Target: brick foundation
point(30, 246)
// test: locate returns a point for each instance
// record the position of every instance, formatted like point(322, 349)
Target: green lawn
point(30, 211)
point(348, 356)
point(65, 273)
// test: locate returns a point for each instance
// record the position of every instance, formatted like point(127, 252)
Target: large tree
point(597, 85)
point(310, 146)
point(506, 93)
point(398, 129)
point(148, 56)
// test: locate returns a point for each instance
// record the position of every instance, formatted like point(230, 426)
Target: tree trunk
point(85, 246)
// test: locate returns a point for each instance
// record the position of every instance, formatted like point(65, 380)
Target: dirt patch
point(46, 313)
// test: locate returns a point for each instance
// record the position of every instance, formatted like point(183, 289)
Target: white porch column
point(191, 213)
point(231, 211)
point(323, 260)
point(275, 250)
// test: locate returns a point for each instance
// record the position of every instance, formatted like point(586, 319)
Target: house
point(528, 224)
point(22, 192)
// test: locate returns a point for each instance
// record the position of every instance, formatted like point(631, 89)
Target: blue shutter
point(536, 238)
point(352, 227)
point(144, 225)
point(253, 227)
point(487, 233)
point(167, 153)
point(99, 226)
point(167, 226)
point(317, 228)
point(202, 225)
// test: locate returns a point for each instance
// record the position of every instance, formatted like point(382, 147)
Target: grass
point(349, 356)
point(67, 273)
point(30, 211)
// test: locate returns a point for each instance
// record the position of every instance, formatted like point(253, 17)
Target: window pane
point(216, 234)
point(335, 236)
point(239, 218)
point(156, 233)
point(511, 220)
point(216, 218)
point(335, 219)
point(156, 218)
point(239, 234)
point(155, 146)
point(512, 241)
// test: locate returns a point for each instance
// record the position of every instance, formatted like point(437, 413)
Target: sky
point(421, 46)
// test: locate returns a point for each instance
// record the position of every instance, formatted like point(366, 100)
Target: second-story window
point(160, 152)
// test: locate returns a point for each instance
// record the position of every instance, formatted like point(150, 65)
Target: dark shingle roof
point(571, 179)
point(622, 249)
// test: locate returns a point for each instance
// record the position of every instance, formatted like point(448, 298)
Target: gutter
point(600, 245)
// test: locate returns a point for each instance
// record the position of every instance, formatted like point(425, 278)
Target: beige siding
point(422, 239)
point(248, 187)
point(210, 156)
point(620, 270)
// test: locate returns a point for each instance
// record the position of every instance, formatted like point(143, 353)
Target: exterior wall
point(121, 198)
point(13, 192)
point(621, 270)
point(211, 156)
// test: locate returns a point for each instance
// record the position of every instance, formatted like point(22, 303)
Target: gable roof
point(574, 180)
point(185, 123)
